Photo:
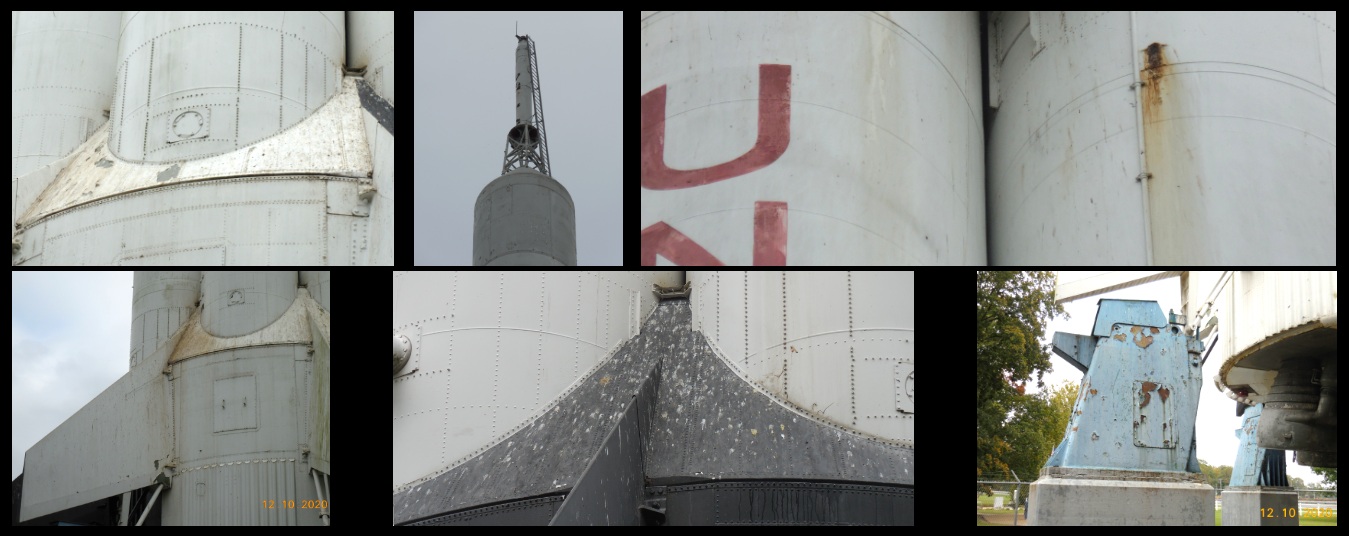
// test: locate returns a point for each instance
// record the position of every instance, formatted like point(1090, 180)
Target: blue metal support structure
point(1137, 403)
point(1256, 466)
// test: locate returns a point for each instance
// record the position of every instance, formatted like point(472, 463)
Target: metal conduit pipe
point(149, 505)
point(1143, 175)
point(323, 507)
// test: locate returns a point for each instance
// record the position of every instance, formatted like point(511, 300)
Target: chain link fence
point(1001, 502)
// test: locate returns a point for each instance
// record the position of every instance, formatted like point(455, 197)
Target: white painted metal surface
point(62, 82)
point(296, 325)
point(241, 122)
point(162, 302)
point(102, 210)
point(837, 346)
point(109, 446)
point(239, 303)
point(234, 421)
point(238, 438)
point(319, 285)
point(197, 84)
point(1256, 309)
point(811, 138)
point(493, 349)
point(370, 46)
point(524, 218)
point(1237, 112)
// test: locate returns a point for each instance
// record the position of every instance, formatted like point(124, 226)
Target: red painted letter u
point(775, 113)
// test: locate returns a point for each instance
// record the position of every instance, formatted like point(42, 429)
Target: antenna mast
point(527, 141)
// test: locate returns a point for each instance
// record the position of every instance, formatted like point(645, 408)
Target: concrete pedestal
point(1065, 496)
point(1260, 505)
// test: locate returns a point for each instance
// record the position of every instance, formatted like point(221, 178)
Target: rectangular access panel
point(236, 404)
point(1153, 426)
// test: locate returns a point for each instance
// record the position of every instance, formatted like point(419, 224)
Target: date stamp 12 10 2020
point(293, 504)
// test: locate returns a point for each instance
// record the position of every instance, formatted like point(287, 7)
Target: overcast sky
point(70, 341)
point(1217, 420)
point(464, 97)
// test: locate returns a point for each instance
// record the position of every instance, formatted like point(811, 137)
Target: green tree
point(1327, 473)
point(1038, 427)
point(1012, 309)
point(1218, 477)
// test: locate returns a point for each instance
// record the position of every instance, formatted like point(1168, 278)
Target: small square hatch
point(236, 404)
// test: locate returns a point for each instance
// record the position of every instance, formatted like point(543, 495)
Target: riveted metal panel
point(234, 225)
point(497, 349)
point(823, 342)
point(234, 412)
point(239, 303)
point(1064, 151)
point(524, 218)
point(904, 387)
point(319, 386)
point(705, 422)
point(370, 46)
point(171, 296)
point(242, 492)
point(109, 446)
point(207, 434)
point(171, 65)
point(63, 72)
point(319, 285)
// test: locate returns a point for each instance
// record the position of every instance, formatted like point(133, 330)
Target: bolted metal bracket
point(666, 293)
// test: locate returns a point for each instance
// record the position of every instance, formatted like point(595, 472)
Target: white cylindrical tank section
point(197, 84)
point(838, 346)
point(524, 85)
point(62, 82)
point(807, 138)
point(370, 46)
point(1237, 119)
point(492, 350)
point(162, 302)
point(318, 284)
point(239, 303)
point(524, 218)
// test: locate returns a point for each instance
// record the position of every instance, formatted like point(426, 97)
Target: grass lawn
point(1218, 515)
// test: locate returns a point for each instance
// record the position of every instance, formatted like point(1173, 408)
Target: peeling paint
point(1148, 387)
point(168, 174)
point(1143, 341)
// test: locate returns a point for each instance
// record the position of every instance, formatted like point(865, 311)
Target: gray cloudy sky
point(70, 341)
point(464, 96)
